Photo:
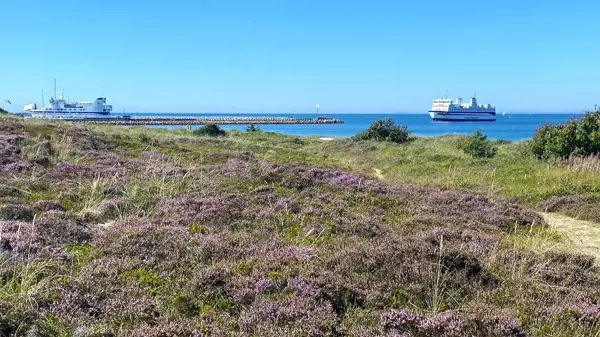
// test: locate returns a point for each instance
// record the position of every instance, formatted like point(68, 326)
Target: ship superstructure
point(58, 106)
point(445, 110)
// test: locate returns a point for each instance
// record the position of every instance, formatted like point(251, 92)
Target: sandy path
point(378, 174)
point(584, 235)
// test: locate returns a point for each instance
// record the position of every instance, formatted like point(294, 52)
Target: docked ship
point(58, 107)
point(447, 111)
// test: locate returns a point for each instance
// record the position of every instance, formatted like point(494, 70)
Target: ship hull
point(439, 116)
point(57, 113)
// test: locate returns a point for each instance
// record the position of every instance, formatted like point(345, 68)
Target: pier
point(221, 120)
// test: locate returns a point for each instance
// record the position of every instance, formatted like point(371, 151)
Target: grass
point(154, 232)
point(436, 161)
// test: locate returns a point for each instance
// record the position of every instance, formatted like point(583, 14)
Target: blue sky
point(280, 56)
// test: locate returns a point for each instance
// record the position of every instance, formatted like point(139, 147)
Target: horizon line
point(339, 113)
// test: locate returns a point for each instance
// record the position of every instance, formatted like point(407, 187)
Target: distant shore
point(222, 120)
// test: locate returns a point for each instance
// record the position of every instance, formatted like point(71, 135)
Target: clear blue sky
point(280, 56)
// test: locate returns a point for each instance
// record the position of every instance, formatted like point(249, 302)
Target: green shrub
point(385, 130)
point(144, 138)
point(461, 141)
point(297, 140)
point(502, 141)
point(479, 146)
point(3, 112)
point(252, 128)
point(212, 130)
point(579, 137)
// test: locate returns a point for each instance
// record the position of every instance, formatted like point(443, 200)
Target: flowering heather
point(17, 166)
point(105, 158)
point(170, 329)
point(465, 240)
point(51, 230)
point(583, 312)
point(237, 168)
point(554, 268)
point(209, 211)
point(584, 207)
point(152, 155)
point(9, 150)
point(283, 203)
point(556, 203)
point(108, 171)
point(277, 252)
point(476, 211)
point(47, 205)
point(290, 316)
point(70, 171)
point(164, 170)
point(450, 324)
point(303, 286)
point(353, 181)
point(16, 236)
point(217, 242)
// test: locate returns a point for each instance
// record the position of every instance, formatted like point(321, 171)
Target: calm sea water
point(510, 126)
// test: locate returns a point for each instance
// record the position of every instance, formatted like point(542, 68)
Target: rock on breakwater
point(222, 120)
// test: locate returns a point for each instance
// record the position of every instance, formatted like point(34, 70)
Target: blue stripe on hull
point(71, 113)
point(450, 113)
point(462, 120)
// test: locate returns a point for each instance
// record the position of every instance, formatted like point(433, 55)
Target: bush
point(252, 128)
point(579, 137)
point(502, 141)
point(479, 146)
point(461, 141)
point(212, 130)
point(144, 138)
point(385, 130)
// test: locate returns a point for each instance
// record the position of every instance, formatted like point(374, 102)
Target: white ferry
point(447, 111)
point(59, 107)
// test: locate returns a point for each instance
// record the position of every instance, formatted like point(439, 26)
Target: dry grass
point(589, 164)
point(584, 235)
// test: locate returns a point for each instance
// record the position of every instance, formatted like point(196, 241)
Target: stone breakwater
point(222, 120)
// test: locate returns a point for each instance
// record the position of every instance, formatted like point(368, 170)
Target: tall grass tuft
point(590, 164)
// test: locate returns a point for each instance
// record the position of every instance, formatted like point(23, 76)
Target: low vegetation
point(212, 130)
point(577, 137)
point(385, 130)
point(109, 231)
point(478, 146)
point(252, 128)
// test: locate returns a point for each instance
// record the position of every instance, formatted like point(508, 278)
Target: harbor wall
point(221, 120)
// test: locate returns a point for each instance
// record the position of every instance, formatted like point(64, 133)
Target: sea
point(514, 126)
